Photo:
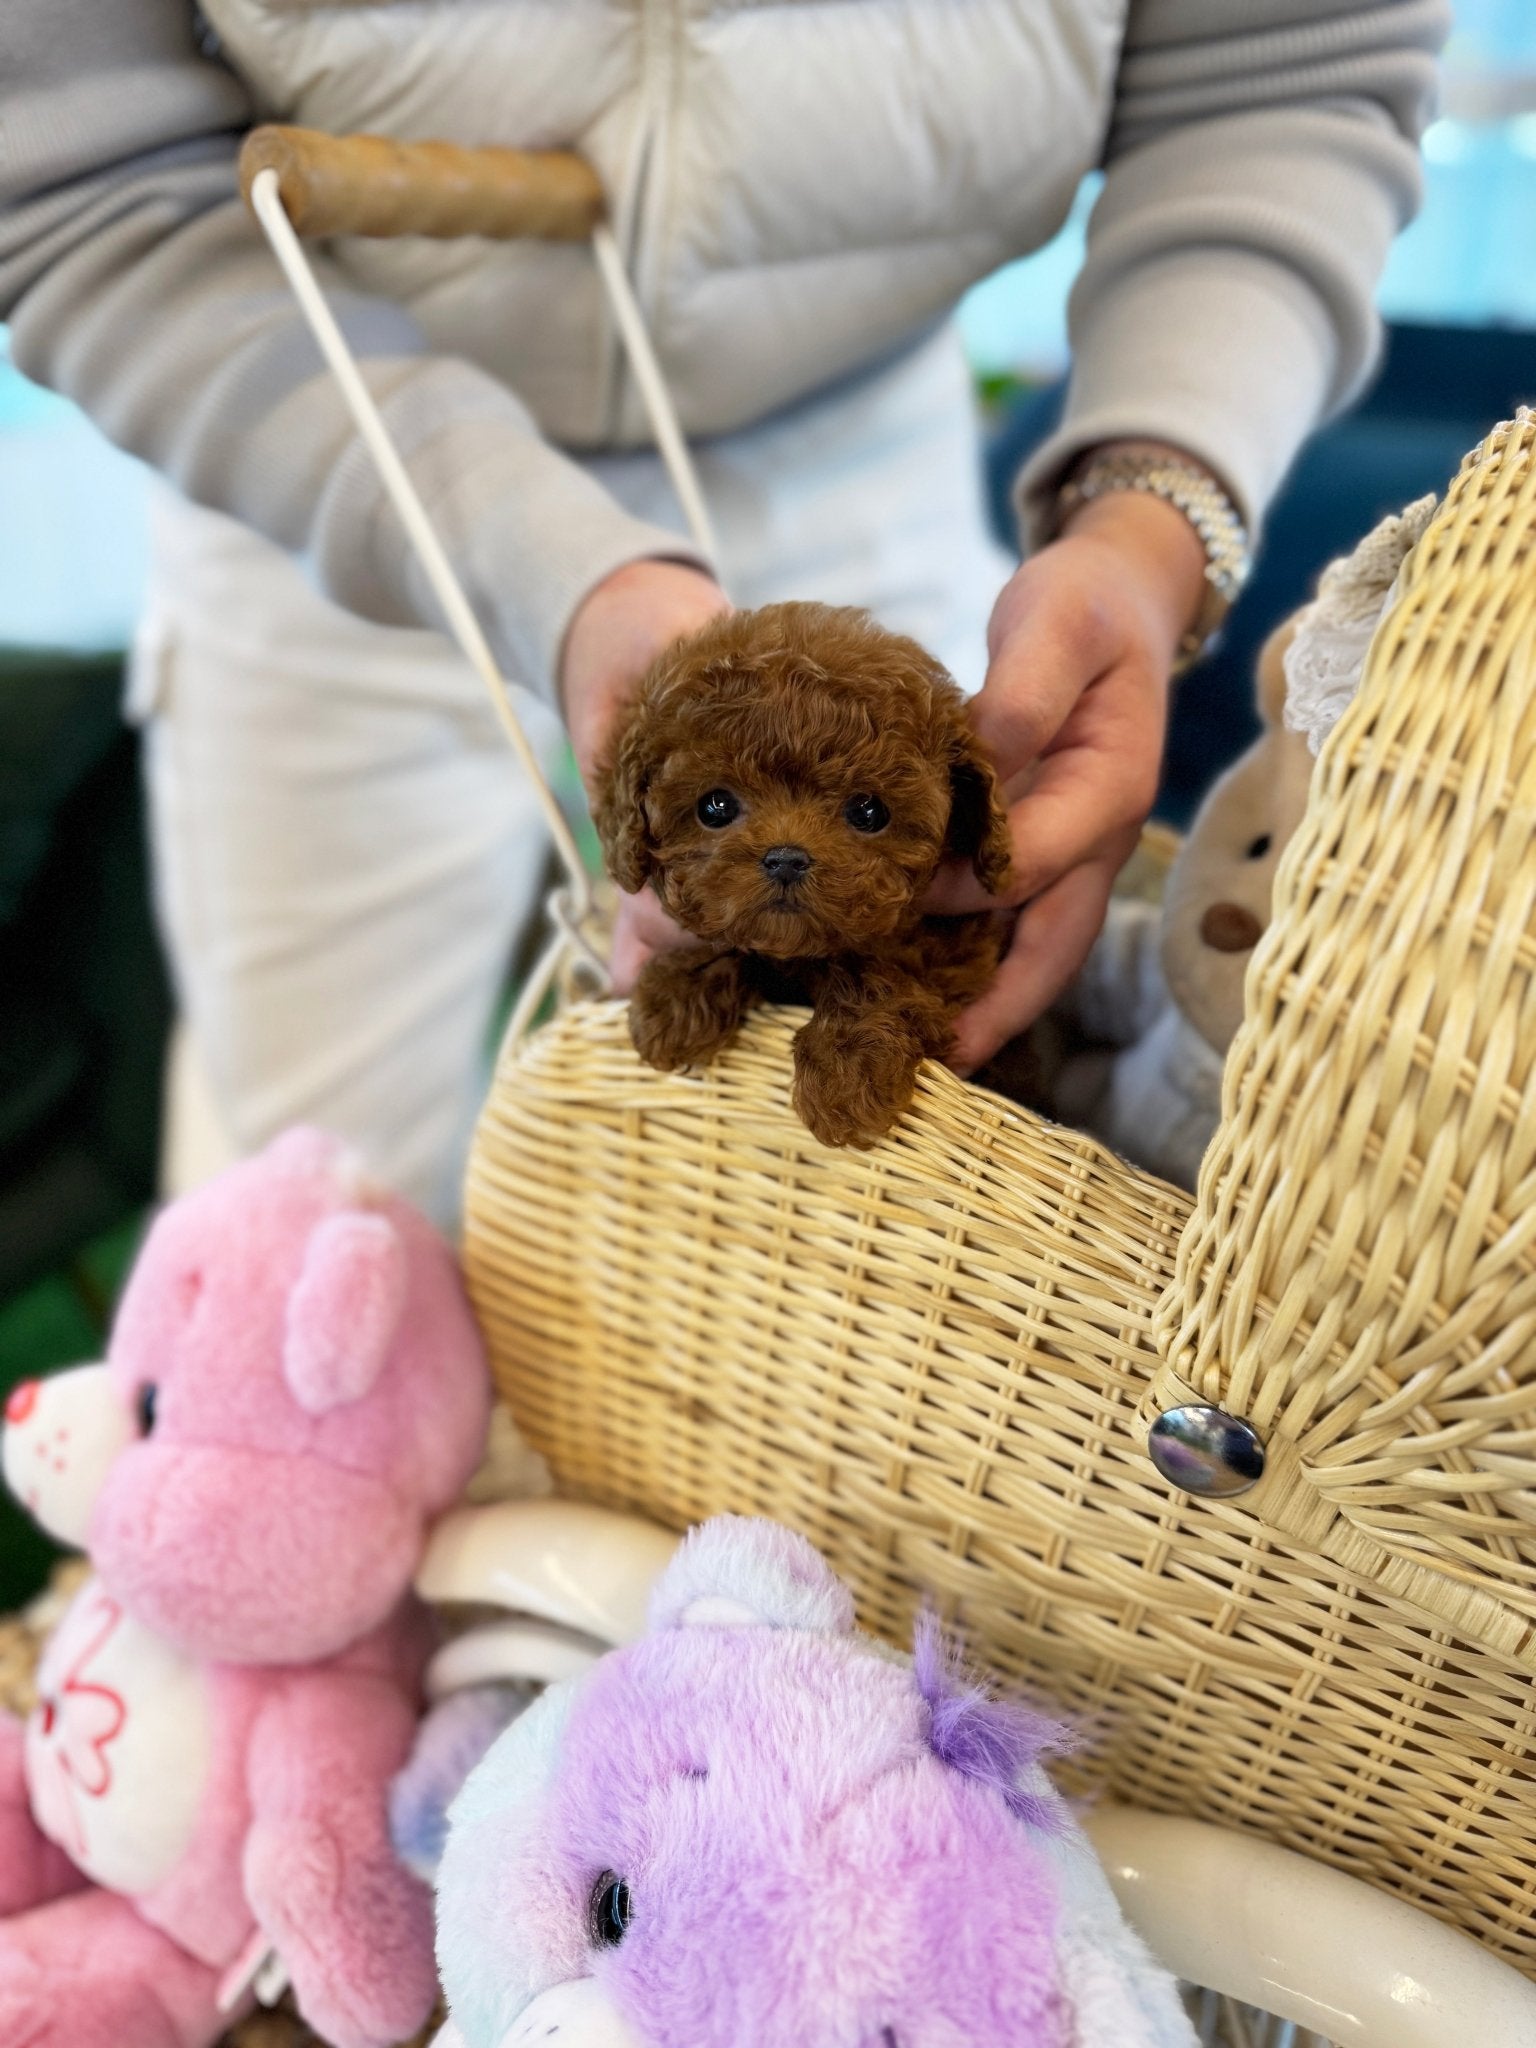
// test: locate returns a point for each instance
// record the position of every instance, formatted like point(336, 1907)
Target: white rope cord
point(569, 907)
point(266, 200)
point(653, 388)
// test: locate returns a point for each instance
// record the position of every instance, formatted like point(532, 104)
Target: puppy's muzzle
point(786, 865)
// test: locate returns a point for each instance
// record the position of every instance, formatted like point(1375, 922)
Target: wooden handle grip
point(368, 185)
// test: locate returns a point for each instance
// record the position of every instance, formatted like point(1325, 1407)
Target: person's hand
point(1082, 642)
point(618, 630)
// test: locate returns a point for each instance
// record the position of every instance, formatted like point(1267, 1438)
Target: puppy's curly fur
point(787, 781)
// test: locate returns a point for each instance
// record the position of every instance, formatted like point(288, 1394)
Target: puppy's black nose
point(785, 863)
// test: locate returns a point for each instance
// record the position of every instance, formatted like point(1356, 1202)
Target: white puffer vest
point(799, 186)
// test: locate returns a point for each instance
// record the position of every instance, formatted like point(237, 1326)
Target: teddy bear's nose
point(1228, 928)
point(20, 1402)
point(786, 863)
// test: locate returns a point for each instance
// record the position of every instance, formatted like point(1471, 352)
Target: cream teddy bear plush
point(1164, 983)
point(1163, 986)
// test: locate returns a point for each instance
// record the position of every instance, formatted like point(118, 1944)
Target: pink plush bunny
point(294, 1388)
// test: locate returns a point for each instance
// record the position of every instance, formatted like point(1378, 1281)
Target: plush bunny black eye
point(610, 1911)
point(866, 814)
point(144, 1407)
point(1259, 847)
point(716, 808)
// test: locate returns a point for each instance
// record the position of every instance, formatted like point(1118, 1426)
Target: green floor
point(61, 1320)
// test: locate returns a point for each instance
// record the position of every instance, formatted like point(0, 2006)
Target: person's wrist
point(1149, 485)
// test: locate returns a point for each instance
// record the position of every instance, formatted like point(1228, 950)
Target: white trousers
point(346, 853)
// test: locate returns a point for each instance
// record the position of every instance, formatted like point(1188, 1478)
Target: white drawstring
point(569, 907)
point(653, 389)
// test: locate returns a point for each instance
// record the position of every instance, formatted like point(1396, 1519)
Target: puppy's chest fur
point(953, 958)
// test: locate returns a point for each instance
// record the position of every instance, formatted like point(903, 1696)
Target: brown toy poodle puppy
point(787, 781)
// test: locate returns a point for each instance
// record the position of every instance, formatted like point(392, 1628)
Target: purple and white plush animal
point(757, 1828)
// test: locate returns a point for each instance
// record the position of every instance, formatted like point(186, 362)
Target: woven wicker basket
point(938, 1358)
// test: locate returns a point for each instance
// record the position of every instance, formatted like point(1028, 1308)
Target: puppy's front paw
point(687, 1006)
point(853, 1078)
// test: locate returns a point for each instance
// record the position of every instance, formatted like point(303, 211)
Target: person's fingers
point(1097, 782)
point(1048, 641)
point(1050, 943)
point(1079, 803)
point(1095, 787)
point(640, 929)
point(626, 956)
point(1027, 697)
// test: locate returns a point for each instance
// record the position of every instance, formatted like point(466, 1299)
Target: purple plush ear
point(344, 1309)
point(995, 1741)
point(739, 1572)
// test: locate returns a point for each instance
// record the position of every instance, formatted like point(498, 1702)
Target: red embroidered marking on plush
point(83, 1721)
point(84, 1702)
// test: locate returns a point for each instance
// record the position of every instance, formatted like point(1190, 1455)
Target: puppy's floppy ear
point(978, 821)
point(619, 809)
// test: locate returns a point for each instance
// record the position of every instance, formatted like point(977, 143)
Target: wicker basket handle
point(1358, 1278)
point(369, 185)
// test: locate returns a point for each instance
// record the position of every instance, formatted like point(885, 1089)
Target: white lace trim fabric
point(1324, 661)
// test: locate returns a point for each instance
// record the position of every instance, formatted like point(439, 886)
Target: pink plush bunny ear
point(739, 1572)
point(344, 1309)
point(307, 1151)
point(305, 1148)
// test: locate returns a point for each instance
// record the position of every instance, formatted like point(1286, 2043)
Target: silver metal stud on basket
point(1206, 1451)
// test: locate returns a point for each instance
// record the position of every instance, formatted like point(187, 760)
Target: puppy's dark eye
point(866, 814)
point(716, 808)
point(144, 1406)
point(610, 1911)
point(1259, 847)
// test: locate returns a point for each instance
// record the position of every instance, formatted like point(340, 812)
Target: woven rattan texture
point(936, 1357)
point(1360, 1277)
point(929, 1358)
